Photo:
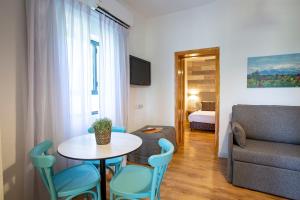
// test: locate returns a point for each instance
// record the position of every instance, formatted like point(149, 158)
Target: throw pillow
point(239, 134)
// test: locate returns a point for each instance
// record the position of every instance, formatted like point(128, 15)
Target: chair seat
point(76, 179)
point(133, 180)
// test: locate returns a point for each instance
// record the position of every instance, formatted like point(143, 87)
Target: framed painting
point(274, 71)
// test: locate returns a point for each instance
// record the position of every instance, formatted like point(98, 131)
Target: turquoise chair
point(113, 162)
point(68, 183)
point(139, 182)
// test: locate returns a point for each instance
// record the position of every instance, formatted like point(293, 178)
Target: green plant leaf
point(102, 125)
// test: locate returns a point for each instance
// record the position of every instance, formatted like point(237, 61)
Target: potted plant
point(102, 128)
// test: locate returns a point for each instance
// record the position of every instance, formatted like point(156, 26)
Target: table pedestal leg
point(103, 179)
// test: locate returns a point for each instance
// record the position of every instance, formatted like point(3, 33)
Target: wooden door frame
point(180, 90)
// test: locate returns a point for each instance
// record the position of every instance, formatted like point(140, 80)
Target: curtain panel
point(47, 109)
point(59, 77)
point(114, 71)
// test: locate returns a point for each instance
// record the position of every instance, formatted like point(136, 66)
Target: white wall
point(241, 29)
point(138, 116)
point(119, 10)
point(12, 72)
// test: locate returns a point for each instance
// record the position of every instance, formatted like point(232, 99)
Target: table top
point(84, 147)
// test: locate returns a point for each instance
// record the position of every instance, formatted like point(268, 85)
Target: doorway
point(200, 95)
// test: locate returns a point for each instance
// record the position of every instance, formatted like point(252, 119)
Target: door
point(180, 100)
point(180, 90)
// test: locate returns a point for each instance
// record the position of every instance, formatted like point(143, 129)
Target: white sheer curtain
point(47, 82)
point(79, 60)
point(114, 71)
point(58, 60)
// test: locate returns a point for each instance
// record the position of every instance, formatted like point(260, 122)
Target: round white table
point(84, 147)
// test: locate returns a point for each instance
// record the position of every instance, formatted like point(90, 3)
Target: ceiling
point(153, 8)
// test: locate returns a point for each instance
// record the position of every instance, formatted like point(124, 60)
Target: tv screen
point(140, 71)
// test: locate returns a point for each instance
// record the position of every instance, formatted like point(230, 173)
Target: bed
point(203, 119)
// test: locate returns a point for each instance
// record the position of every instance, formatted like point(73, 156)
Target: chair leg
point(98, 191)
point(53, 197)
point(85, 194)
point(93, 195)
point(118, 167)
point(158, 196)
point(111, 195)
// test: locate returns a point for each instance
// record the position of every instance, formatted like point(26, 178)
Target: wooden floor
point(195, 173)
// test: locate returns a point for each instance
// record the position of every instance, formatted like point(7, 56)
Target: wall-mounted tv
point(140, 71)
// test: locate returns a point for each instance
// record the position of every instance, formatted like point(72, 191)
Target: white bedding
point(202, 116)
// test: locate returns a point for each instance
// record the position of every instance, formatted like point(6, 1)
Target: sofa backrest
point(270, 123)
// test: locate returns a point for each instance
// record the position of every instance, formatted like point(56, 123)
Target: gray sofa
point(270, 161)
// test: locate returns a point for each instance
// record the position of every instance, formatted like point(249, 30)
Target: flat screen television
point(140, 71)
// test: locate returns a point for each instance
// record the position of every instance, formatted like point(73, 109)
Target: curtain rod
point(112, 17)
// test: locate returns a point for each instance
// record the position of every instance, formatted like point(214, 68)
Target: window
point(94, 77)
point(94, 46)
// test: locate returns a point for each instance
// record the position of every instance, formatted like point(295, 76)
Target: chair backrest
point(118, 129)
point(160, 163)
point(113, 129)
point(44, 163)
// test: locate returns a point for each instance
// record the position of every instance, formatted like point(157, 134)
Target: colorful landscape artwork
point(274, 71)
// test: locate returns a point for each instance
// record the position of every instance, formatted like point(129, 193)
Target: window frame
point(95, 84)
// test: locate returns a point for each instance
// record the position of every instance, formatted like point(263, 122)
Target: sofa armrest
point(229, 159)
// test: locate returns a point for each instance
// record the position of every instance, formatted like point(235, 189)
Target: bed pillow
point(239, 134)
point(208, 106)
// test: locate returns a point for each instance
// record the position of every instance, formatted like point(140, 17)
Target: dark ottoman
point(150, 143)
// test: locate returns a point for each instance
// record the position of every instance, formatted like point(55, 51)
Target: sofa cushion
point(269, 123)
point(279, 155)
point(239, 134)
